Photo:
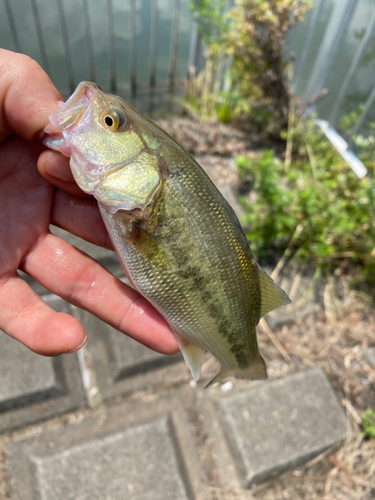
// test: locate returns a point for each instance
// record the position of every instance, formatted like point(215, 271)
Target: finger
point(54, 167)
point(80, 217)
point(74, 276)
point(27, 96)
point(25, 317)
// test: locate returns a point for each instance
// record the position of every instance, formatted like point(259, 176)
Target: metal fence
point(335, 54)
point(143, 50)
point(139, 49)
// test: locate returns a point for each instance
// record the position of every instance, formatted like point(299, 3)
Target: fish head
point(108, 142)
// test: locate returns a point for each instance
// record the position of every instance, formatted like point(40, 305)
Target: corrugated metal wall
point(144, 49)
point(139, 49)
point(335, 53)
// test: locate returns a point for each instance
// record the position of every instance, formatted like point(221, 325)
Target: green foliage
point(368, 424)
point(210, 17)
point(311, 203)
point(252, 36)
point(364, 145)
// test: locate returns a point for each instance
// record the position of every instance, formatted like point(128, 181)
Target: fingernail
point(56, 165)
point(83, 343)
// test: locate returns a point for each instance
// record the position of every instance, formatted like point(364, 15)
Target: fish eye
point(113, 119)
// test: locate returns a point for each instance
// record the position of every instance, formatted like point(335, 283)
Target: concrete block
point(277, 425)
point(25, 376)
point(34, 387)
point(121, 364)
point(137, 452)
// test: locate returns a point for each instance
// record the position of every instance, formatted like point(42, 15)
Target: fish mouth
point(69, 114)
point(72, 110)
point(82, 95)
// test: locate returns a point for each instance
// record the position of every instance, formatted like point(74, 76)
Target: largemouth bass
point(180, 243)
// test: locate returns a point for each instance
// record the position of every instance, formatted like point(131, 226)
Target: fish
point(178, 240)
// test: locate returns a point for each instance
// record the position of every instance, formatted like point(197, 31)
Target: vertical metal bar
point(90, 47)
point(192, 69)
point(353, 68)
point(227, 80)
point(65, 37)
point(193, 51)
point(12, 26)
point(133, 51)
point(220, 71)
point(306, 46)
point(153, 52)
point(173, 53)
point(361, 119)
point(39, 34)
point(111, 47)
point(337, 26)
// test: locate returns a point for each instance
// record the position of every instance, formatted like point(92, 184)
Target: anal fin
point(193, 356)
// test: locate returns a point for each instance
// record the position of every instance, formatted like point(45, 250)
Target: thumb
point(27, 96)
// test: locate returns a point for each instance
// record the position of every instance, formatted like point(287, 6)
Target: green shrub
point(368, 424)
point(311, 203)
point(252, 35)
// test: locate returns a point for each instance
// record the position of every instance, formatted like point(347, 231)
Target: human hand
point(29, 202)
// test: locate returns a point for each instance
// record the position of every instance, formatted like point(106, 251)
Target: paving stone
point(277, 425)
point(370, 354)
point(24, 375)
point(137, 452)
point(118, 358)
point(34, 387)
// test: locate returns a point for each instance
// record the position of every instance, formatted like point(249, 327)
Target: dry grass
point(347, 475)
point(337, 340)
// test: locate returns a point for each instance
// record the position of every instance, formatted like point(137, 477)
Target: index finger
point(27, 96)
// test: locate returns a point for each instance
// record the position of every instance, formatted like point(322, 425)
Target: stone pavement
point(118, 421)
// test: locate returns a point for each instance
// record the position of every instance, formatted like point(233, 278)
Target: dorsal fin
point(271, 296)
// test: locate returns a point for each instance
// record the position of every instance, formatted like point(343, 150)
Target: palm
point(26, 201)
point(29, 203)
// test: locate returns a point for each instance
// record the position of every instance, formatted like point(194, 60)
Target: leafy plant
point(250, 37)
point(363, 144)
point(368, 424)
point(311, 203)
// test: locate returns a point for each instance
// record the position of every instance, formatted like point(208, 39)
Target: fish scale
point(178, 239)
point(187, 312)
